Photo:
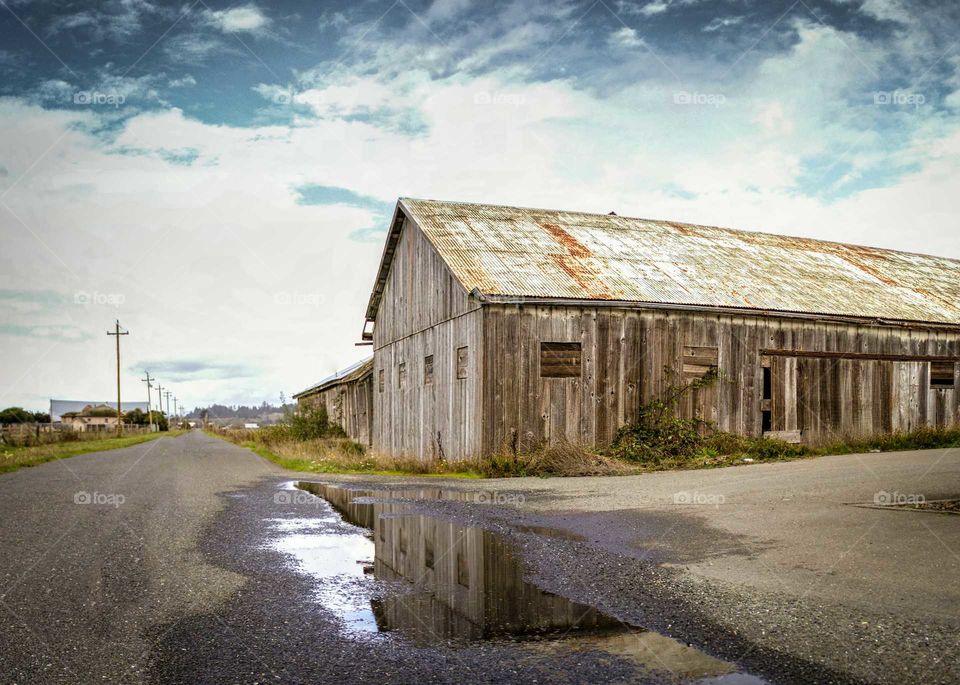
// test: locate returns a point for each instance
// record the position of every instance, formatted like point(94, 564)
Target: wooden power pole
point(118, 332)
point(159, 403)
point(148, 380)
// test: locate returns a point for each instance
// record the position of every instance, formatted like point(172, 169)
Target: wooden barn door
point(779, 398)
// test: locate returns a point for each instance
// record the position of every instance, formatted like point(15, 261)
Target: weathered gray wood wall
point(625, 352)
point(349, 405)
point(425, 312)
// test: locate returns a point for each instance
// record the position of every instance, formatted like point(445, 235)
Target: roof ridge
point(727, 229)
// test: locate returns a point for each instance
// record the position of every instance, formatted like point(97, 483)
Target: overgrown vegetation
point(662, 440)
point(13, 458)
point(659, 440)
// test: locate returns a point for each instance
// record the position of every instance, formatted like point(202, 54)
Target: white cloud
point(248, 18)
point(117, 19)
point(193, 48)
point(720, 23)
point(626, 37)
point(655, 7)
point(186, 81)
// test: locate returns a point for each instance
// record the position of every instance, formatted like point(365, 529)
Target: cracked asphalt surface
point(151, 564)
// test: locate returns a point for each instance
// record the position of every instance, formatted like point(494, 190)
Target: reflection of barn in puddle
point(472, 585)
point(464, 584)
point(467, 584)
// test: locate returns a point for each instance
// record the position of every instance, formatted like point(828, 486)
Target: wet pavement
point(446, 584)
point(217, 568)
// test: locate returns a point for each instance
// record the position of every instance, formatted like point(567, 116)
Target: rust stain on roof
point(586, 278)
point(683, 228)
point(866, 268)
point(574, 247)
point(518, 252)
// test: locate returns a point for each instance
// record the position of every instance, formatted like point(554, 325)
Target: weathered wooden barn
point(494, 323)
point(348, 398)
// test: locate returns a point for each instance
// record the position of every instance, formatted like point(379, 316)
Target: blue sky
point(219, 176)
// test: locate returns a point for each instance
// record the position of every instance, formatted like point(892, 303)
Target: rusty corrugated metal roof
point(519, 252)
point(354, 372)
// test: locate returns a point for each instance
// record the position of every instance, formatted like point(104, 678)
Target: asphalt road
point(97, 550)
point(152, 564)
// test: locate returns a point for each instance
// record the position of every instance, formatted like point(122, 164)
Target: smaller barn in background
point(348, 398)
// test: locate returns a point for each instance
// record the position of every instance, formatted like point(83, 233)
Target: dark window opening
point(767, 423)
point(560, 360)
point(463, 570)
point(428, 552)
point(943, 375)
point(428, 370)
point(767, 383)
point(461, 362)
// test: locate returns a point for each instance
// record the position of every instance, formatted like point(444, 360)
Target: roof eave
point(484, 298)
point(389, 248)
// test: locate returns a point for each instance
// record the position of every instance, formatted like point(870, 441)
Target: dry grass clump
point(561, 459)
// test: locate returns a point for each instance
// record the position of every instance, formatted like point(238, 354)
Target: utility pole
point(167, 394)
point(159, 403)
point(117, 332)
point(176, 414)
point(148, 380)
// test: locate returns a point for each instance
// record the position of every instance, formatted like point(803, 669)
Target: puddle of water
point(337, 559)
point(462, 584)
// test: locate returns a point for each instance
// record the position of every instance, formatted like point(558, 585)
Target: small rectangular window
point(767, 384)
point(428, 370)
point(698, 360)
point(461, 362)
point(380, 380)
point(560, 359)
point(942, 374)
point(402, 375)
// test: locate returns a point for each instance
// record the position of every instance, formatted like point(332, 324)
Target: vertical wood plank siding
point(349, 405)
point(629, 356)
point(424, 311)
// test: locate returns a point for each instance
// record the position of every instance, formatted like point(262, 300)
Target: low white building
point(100, 417)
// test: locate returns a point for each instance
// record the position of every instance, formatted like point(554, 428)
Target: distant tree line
point(21, 415)
point(242, 411)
